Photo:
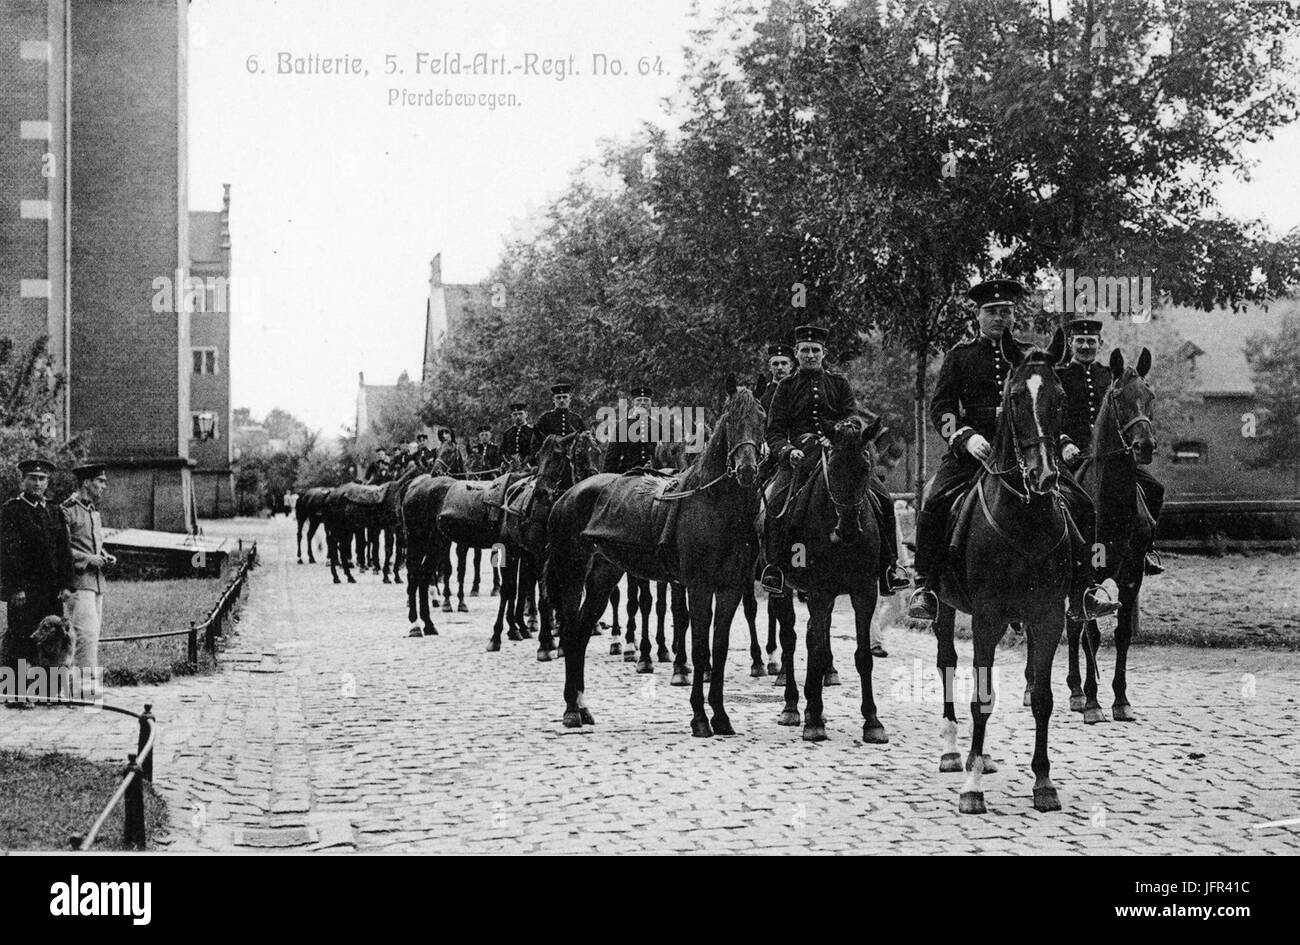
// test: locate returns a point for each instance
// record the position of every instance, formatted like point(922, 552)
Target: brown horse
point(713, 544)
point(310, 511)
point(1012, 564)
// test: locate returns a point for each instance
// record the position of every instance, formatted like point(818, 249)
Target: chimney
point(435, 270)
point(225, 216)
point(361, 378)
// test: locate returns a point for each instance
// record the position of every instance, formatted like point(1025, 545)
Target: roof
point(376, 397)
point(1220, 337)
point(205, 236)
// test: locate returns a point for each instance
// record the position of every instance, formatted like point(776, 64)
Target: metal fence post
point(134, 829)
point(146, 729)
point(194, 645)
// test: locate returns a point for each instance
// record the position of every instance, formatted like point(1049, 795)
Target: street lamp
point(207, 421)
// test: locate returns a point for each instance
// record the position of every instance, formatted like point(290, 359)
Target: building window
point(205, 360)
point(199, 419)
point(1190, 453)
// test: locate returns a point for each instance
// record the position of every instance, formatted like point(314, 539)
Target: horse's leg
point(615, 634)
point(505, 605)
point(700, 599)
point(412, 612)
point(645, 664)
point(546, 630)
point(300, 542)
point(426, 574)
point(373, 538)
point(523, 587)
point(399, 534)
point(332, 552)
point(946, 663)
point(1126, 626)
point(782, 610)
point(681, 623)
point(633, 603)
point(388, 555)
point(601, 575)
point(462, 552)
point(1074, 631)
point(1090, 636)
point(661, 611)
point(1029, 670)
point(726, 602)
point(1047, 635)
point(986, 635)
point(478, 560)
point(864, 608)
point(818, 642)
point(750, 605)
point(312, 525)
point(773, 667)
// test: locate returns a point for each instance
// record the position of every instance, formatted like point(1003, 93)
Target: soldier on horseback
point(484, 455)
point(635, 449)
point(780, 362)
point(804, 410)
point(422, 456)
point(517, 440)
point(378, 471)
point(1086, 382)
point(964, 409)
point(559, 420)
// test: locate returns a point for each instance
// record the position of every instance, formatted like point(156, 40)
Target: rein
point(1020, 467)
point(729, 474)
point(1130, 448)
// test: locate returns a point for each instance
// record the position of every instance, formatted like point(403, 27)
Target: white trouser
point(86, 612)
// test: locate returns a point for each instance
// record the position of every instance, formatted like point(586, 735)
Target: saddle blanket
point(630, 511)
point(361, 494)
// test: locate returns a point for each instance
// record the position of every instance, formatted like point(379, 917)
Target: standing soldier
point(86, 543)
point(35, 564)
point(517, 440)
point(1085, 381)
point(559, 420)
point(634, 447)
point(964, 409)
point(484, 455)
point(805, 408)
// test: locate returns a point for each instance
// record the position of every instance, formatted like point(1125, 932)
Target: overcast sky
point(339, 198)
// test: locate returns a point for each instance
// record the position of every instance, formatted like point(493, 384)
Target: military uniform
point(484, 457)
point(1085, 389)
point(624, 455)
point(555, 422)
point(377, 472)
point(34, 559)
point(517, 441)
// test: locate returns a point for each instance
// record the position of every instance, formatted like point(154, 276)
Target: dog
point(56, 652)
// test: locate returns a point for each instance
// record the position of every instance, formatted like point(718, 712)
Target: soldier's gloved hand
point(1070, 453)
point(19, 598)
point(795, 457)
point(824, 441)
point(979, 447)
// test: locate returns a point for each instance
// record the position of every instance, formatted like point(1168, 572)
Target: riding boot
point(893, 577)
point(772, 579)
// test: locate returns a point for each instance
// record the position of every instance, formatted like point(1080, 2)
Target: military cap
point(518, 405)
point(813, 333)
point(89, 471)
point(996, 292)
point(421, 436)
point(786, 351)
point(41, 466)
point(641, 391)
point(1084, 325)
point(561, 388)
point(484, 428)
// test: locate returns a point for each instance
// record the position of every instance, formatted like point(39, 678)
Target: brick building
point(211, 440)
point(94, 220)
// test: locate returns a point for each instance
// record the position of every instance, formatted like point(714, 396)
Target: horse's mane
point(712, 461)
point(1003, 446)
point(1105, 429)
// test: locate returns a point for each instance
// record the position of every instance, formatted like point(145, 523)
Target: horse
point(1012, 563)
point(310, 511)
point(713, 543)
point(448, 461)
point(838, 550)
point(1125, 531)
point(348, 512)
point(389, 525)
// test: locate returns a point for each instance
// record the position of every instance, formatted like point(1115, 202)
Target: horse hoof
point(1029, 699)
point(814, 732)
point(780, 680)
point(972, 802)
point(473, 592)
point(415, 632)
point(396, 579)
point(789, 716)
point(462, 608)
point(757, 670)
point(572, 719)
point(700, 728)
point(722, 725)
point(447, 608)
point(1076, 703)
point(495, 592)
point(337, 581)
point(351, 579)
point(493, 646)
point(874, 735)
point(513, 634)
point(989, 766)
point(430, 631)
point(615, 648)
point(544, 656)
point(586, 716)
point(772, 668)
point(950, 763)
point(559, 652)
point(525, 633)
point(629, 656)
point(1094, 715)
point(645, 666)
point(1123, 713)
point(387, 579)
point(664, 656)
point(300, 560)
point(680, 679)
point(1045, 799)
point(532, 624)
point(832, 679)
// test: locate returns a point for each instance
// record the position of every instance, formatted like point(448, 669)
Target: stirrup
point(773, 581)
point(923, 604)
point(1107, 608)
point(1151, 564)
point(898, 576)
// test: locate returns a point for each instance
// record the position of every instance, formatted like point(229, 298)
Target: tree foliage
point(1275, 364)
point(30, 392)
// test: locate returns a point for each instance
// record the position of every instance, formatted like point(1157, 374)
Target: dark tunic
point(807, 402)
point(517, 441)
point(557, 422)
point(484, 456)
point(969, 390)
point(34, 558)
point(623, 455)
point(1085, 387)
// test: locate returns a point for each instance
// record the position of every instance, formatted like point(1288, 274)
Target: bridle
point(1021, 466)
point(1129, 447)
point(826, 478)
point(731, 473)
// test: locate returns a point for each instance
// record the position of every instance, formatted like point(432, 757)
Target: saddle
point(467, 509)
point(496, 497)
point(630, 511)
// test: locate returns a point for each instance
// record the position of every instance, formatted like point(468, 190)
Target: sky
point(341, 194)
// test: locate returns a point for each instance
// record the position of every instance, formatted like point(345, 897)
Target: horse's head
point(447, 459)
point(584, 455)
point(1032, 403)
point(848, 473)
point(553, 459)
point(1130, 399)
point(742, 425)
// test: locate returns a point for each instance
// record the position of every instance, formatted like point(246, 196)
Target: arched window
point(1190, 452)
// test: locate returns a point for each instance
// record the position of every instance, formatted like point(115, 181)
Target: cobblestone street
point(328, 729)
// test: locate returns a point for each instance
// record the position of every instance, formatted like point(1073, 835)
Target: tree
point(29, 403)
point(1275, 364)
point(399, 414)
